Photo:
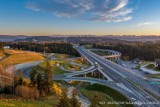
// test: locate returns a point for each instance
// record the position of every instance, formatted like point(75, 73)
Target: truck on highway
point(96, 63)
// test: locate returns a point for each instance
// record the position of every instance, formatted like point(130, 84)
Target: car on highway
point(96, 63)
point(123, 65)
point(133, 99)
point(147, 97)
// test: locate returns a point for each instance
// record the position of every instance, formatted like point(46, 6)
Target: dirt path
point(83, 101)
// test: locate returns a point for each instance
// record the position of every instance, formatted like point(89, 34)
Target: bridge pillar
point(112, 59)
point(102, 77)
point(115, 58)
point(92, 73)
point(85, 75)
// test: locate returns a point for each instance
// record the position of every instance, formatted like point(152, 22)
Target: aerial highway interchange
point(119, 78)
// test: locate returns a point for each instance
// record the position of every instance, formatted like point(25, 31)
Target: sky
point(80, 17)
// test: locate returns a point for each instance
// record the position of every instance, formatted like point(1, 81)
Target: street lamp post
point(99, 77)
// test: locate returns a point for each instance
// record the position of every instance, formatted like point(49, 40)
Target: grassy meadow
point(18, 56)
point(81, 61)
point(103, 97)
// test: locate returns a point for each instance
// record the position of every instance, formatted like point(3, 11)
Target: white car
point(148, 97)
point(96, 63)
point(133, 99)
point(123, 65)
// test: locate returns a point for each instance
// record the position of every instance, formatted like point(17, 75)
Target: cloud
point(33, 6)
point(137, 4)
point(96, 10)
point(144, 24)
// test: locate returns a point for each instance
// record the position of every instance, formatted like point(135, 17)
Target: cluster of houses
point(138, 61)
point(6, 47)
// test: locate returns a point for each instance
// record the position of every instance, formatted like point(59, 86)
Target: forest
point(50, 47)
point(143, 51)
point(1, 47)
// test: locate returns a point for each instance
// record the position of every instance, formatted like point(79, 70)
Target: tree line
point(50, 47)
point(1, 47)
point(42, 84)
point(143, 51)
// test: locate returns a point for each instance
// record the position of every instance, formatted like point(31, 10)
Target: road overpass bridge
point(112, 54)
point(123, 77)
point(116, 73)
point(115, 86)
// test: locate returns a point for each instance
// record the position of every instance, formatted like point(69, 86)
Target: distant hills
point(41, 38)
point(7, 38)
point(81, 39)
point(138, 38)
point(75, 39)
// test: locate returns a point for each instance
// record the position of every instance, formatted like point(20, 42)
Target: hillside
point(17, 57)
point(7, 38)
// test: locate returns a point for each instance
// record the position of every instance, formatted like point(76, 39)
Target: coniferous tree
point(18, 80)
point(48, 77)
point(64, 101)
point(49, 71)
point(39, 83)
point(32, 75)
point(134, 50)
point(74, 101)
point(95, 101)
point(1, 47)
point(64, 48)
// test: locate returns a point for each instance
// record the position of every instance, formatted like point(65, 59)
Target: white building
point(6, 47)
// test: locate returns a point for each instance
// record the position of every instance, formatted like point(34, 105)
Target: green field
point(56, 69)
point(15, 101)
point(69, 66)
point(36, 103)
point(150, 66)
point(81, 61)
point(103, 97)
point(145, 62)
point(157, 69)
point(118, 97)
point(61, 62)
point(154, 75)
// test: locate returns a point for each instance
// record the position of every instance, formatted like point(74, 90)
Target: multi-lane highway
point(119, 78)
point(122, 76)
